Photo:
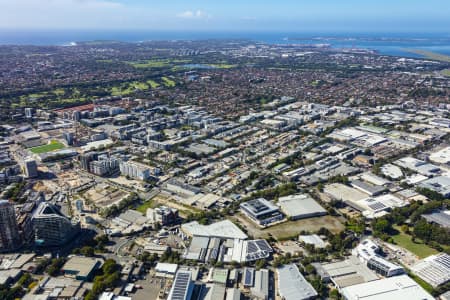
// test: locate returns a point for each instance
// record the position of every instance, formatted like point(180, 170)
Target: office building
point(51, 227)
point(68, 137)
point(9, 231)
point(29, 111)
point(30, 168)
point(261, 211)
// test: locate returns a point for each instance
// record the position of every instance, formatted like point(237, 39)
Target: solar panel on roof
point(377, 206)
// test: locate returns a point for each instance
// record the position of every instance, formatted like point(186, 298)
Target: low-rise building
point(292, 285)
point(300, 207)
point(398, 287)
point(81, 268)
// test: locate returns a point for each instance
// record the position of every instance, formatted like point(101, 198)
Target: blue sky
point(233, 15)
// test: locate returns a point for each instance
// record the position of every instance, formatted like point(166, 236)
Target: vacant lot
point(52, 146)
point(421, 250)
point(289, 229)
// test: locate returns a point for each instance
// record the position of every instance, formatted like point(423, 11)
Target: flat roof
point(439, 217)
point(298, 205)
point(349, 272)
point(397, 287)
point(292, 285)
point(223, 229)
point(259, 206)
point(342, 192)
point(82, 265)
point(166, 268)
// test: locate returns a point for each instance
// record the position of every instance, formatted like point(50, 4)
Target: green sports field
point(52, 146)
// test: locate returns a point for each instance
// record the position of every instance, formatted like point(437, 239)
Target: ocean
point(385, 43)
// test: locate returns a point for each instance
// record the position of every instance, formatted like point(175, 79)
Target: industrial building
point(261, 211)
point(182, 287)
point(345, 273)
point(300, 207)
point(439, 217)
point(166, 270)
point(81, 268)
point(441, 157)
point(260, 288)
point(292, 285)
point(398, 287)
point(434, 269)
point(181, 188)
point(213, 249)
point(439, 184)
point(223, 229)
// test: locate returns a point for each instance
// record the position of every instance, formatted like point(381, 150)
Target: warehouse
point(398, 287)
point(434, 269)
point(166, 270)
point(292, 285)
point(81, 268)
point(222, 229)
point(345, 273)
point(300, 207)
point(440, 184)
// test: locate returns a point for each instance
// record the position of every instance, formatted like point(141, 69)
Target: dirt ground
point(289, 229)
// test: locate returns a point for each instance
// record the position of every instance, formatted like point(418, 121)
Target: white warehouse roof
point(398, 287)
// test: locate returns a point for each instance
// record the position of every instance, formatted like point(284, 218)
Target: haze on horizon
point(233, 15)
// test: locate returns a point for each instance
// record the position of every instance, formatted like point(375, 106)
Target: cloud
point(198, 14)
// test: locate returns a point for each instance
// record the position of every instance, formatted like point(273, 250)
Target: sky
point(228, 15)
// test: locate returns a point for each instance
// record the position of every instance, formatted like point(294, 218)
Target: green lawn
point(430, 55)
point(153, 84)
point(149, 64)
point(446, 72)
point(419, 249)
point(144, 206)
point(52, 146)
point(168, 82)
point(222, 66)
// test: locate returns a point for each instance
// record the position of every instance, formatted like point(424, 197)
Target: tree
point(87, 251)
point(260, 263)
point(381, 226)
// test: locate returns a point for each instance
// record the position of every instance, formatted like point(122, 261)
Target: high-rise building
point(30, 168)
point(29, 111)
point(69, 137)
point(85, 160)
point(51, 227)
point(9, 230)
